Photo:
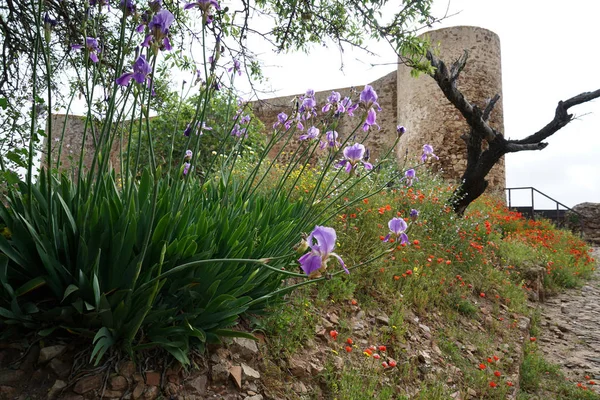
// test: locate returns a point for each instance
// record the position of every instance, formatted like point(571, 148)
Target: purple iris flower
point(333, 99)
point(128, 7)
point(159, 30)
point(371, 120)
point(245, 119)
point(141, 69)
point(410, 176)
point(187, 130)
point(49, 22)
point(311, 133)
point(369, 97)
point(398, 229)
point(205, 127)
point(347, 106)
point(282, 119)
point(315, 262)
point(93, 47)
point(414, 214)
point(428, 152)
point(186, 168)
point(353, 155)
point(308, 104)
point(205, 7)
point(400, 130)
point(188, 154)
point(330, 140)
point(238, 132)
point(236, 67)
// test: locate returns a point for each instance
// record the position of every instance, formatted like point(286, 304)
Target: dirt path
point(570, 334)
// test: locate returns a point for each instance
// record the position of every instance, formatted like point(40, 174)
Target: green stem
point(310, 281)
point(262, 262)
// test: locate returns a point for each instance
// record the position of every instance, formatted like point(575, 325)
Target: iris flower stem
point(270, 145)
point(291, 166)
point(311, 281)
point(325, 168)
point(261, 261)
point(33, 134)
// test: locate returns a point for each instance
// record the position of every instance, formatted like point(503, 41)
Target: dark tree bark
point(480, 161)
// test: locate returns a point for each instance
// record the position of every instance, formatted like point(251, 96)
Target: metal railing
point(533, 191)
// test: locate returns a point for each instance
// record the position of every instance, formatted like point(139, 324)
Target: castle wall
point(430, 118)
point(72, 142)
point(416, 103)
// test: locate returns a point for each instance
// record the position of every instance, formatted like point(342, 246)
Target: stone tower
point(430, 118)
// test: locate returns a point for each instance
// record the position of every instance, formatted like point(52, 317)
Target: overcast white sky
point(549, 53)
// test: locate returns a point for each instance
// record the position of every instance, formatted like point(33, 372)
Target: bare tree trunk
point(485, 145)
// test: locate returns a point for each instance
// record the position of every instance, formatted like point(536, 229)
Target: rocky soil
point(570, 334)
point(245, 370)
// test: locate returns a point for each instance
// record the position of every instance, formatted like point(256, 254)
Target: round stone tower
point(430, 118)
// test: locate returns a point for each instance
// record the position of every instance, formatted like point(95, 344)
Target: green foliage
point(95, 274)
point(222, 113)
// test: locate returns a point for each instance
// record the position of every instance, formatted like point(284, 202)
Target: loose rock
point(88, 383)
point(246, 348)
point(250, 373)
point(236, 374)
point(48, 353)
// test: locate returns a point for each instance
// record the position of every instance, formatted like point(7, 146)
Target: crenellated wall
point(419, 104)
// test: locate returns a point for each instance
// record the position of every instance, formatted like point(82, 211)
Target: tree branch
point(561, 117)
point(446, 80)
point(512, 147)
point(489, 107)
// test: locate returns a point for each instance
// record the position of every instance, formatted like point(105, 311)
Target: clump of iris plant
point(321, 242)
point(353, 155)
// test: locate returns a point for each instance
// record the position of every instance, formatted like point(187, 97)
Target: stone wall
point(416, 103)
point(72, 141)
point(430, 118)
point(378, 141)
point(419, 104)
point(589, 225)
